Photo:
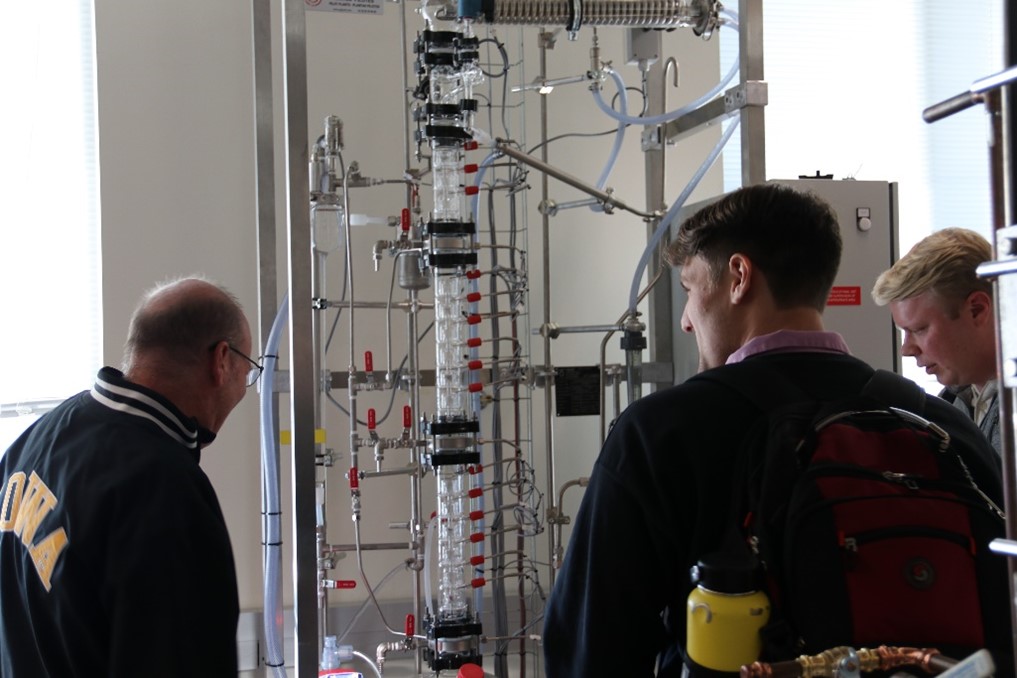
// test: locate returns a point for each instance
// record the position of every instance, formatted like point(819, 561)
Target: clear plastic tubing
point(663, 117)
point(272, 504)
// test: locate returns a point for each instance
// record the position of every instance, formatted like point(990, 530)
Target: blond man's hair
point(944, 263)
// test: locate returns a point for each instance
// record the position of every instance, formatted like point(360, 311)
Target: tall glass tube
point(449, 63)
point(449, 197)
point(453, 536)
point(451, 333)
point(327, 223)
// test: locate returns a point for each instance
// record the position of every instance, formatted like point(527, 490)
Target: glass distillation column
point(448, 69)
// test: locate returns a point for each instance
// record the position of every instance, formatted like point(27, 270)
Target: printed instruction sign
point(845, 295)
point(345, 6)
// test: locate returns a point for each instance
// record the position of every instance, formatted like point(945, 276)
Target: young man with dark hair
point(757, 265)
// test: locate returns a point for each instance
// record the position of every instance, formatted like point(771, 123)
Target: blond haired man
point(945, 312)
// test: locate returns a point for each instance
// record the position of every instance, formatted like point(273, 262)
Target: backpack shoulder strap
point(768, 389)
point(892, 389)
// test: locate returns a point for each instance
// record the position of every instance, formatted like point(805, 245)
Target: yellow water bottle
point(725, 613)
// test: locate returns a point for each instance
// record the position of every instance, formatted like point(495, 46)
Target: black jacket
point(659, 497)
point(114, 555)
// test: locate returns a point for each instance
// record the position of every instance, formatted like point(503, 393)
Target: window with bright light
point(847, 85)
point(50, 275)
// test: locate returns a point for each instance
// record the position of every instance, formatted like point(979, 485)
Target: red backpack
point(868, 523)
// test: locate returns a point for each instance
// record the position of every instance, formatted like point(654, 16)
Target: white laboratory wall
point(177, 190)
point(175, 99)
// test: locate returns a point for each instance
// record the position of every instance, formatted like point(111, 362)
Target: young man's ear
point(741, 269)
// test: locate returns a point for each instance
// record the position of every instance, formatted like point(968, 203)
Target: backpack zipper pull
point(850, 550)
point(904, 479)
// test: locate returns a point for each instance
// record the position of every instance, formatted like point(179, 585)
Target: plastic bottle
point(725, 613)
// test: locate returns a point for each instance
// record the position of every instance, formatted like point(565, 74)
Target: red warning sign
point(845, 295)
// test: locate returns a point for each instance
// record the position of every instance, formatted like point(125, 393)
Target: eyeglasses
point(255, 372)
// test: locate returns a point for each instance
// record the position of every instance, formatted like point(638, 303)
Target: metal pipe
point(382, 546)
point(661, 305)
point(318, 259)
point(401, 471)
point(408, 306)
point(407, 102)
point(546, 169)
point(603, 355)
point(545, 230)
point(997, 105)
point(416, 504)
point(750, 56)
point(1001, 168)
point(580, 482)
point(554, 330)
point(359, 549)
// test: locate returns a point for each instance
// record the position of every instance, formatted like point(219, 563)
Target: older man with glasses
point(256, 368)
point(114, 554)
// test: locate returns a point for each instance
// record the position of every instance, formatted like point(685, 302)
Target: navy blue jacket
point(659, 497)
point(114, 555)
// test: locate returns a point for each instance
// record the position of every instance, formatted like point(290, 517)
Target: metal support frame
point(302, 378)
point(264, 147)
point(753, 129)
point(1003, 214)
point(659, 313)
point(546, 43)
point(989, 90)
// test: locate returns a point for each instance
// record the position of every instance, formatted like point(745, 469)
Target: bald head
point(177, 323)
point(187, 341)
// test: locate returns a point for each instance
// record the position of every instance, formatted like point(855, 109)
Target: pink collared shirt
point(790, 341)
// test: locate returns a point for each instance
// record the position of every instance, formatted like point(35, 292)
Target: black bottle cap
point(726, 573)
